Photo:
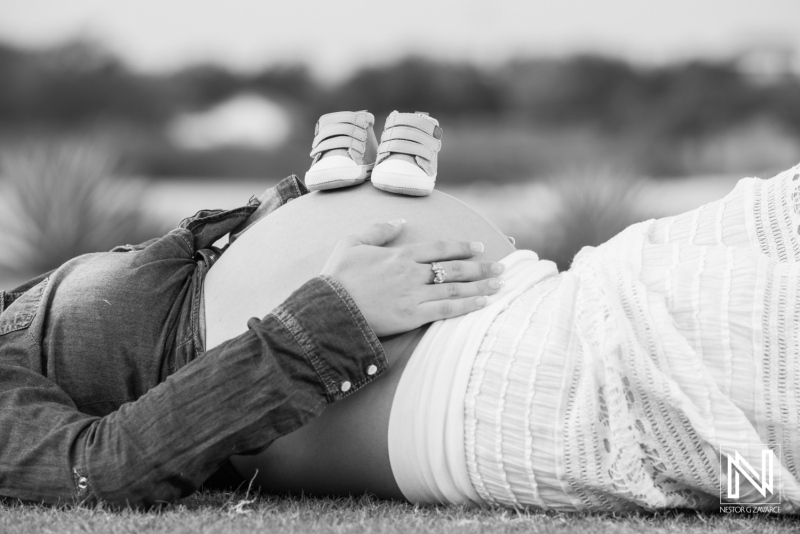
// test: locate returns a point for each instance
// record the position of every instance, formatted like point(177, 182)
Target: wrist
point(334, 336)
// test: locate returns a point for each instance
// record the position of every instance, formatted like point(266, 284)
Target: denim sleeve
point(236, 399)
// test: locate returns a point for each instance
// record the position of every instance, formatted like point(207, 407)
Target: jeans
point(106, 392)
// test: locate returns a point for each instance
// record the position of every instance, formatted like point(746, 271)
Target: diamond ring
point(438, 271)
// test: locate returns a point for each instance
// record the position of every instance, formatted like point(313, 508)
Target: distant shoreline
point(507, 205)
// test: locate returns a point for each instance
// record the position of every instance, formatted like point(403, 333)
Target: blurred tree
point(649, 114)
point(583, 90)
point(416, 84)
point(286, 82)
point(782, 101)
point(202, 86)
point(697, 98)
point(74, 85)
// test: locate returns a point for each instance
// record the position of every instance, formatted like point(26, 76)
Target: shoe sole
point(337, 177)
point(404, 184)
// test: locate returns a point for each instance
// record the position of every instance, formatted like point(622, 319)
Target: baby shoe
point(408, 154)
point(350, 139)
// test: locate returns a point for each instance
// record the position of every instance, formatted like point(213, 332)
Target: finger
point(443, 250)
point(467, 271)
point(447, 309)
point(377, 234)
point(457, 290)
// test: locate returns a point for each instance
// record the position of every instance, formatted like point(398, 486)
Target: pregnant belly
point(345, 450)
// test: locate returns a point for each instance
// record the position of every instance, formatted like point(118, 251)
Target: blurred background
point(564, 121)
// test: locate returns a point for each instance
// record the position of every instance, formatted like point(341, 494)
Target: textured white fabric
point(614, 385)
point(426, 425)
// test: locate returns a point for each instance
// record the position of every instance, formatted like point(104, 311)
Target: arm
point(237, 398)
point(313, 349)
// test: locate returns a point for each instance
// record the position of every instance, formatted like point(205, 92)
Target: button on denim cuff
point(301, 316)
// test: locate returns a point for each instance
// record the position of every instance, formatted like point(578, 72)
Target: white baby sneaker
point(408, 154)
point(344, 150)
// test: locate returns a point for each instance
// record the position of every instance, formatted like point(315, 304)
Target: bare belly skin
point(345, 450)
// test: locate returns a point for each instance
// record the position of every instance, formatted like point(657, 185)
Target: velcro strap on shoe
point(415, 121)
point(339, 128)
point(341, 141)
point(411, 134)
point(401, 146)
point(359, 118)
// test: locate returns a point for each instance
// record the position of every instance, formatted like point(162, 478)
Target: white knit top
point(625, 382)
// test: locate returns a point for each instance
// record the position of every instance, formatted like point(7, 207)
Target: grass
point(230, 513)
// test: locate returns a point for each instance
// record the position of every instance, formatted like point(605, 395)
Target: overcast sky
point(336, 36)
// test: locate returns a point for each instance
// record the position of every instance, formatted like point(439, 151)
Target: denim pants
point(123, 304)
point(107, 392)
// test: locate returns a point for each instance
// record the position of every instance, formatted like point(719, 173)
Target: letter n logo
point(740, 472)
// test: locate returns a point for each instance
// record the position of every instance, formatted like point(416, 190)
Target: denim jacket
point(107, 393)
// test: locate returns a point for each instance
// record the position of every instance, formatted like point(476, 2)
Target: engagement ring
point(439, 274)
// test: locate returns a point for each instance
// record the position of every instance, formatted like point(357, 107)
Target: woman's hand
point(393, 287)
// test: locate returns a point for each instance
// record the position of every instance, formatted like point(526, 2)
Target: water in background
point(509, 206)
point(526, 211)
point(555, 218)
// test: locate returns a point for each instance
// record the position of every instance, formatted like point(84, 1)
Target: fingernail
point(476, 246)
point(497, 283)
point(498, 268)
point(396, 222)
point(480, 302)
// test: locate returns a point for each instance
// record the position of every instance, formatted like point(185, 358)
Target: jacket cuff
point(334, 336)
